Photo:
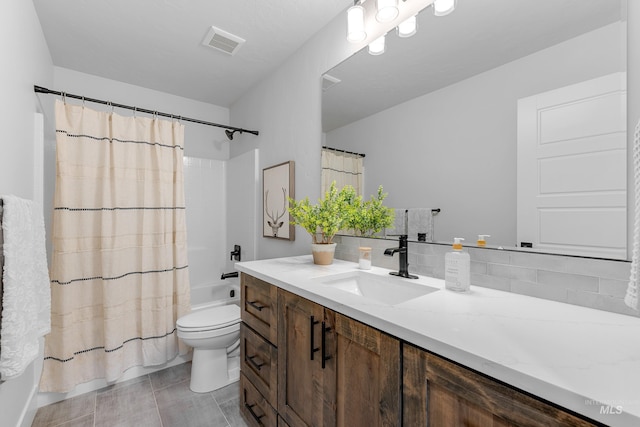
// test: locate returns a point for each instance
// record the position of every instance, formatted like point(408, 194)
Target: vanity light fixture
point(355, 23)
point(387, 10)
point(443, 7)
point(376, 47)
point(408, 27)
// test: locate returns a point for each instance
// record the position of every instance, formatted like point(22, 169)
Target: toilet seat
point(210, 319)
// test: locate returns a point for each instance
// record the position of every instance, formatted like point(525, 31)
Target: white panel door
point(572, 169)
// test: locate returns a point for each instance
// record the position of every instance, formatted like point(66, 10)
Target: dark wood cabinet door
point(439, 393)
point(300, 373)
point(364, 377)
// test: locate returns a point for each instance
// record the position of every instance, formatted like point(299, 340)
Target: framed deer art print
point(277, 187)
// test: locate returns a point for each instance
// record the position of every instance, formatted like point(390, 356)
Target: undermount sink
point(389, 290)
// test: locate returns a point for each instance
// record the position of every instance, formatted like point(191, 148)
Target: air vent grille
point(223, 41)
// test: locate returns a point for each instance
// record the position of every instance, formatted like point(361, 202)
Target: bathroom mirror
point(436, 113)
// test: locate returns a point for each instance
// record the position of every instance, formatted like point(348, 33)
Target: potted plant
point(370, 217)
point(323, 220)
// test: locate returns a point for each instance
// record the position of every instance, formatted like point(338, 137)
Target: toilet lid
point(214, 317)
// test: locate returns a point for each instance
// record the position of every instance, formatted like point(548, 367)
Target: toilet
point(214, 334)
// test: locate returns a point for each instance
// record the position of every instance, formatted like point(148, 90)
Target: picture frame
point(277, 186)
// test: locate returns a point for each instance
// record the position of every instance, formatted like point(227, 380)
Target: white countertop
point(576, 357)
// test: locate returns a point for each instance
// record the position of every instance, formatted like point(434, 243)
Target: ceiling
point(478, 36)
point(157, 44)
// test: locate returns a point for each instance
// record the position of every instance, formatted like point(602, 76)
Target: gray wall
point(25, 61)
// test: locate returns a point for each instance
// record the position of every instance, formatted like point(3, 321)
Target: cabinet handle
point(312, 348)
point(254, 363)
point(324, 344)
point(256, 305)
point(253, 414)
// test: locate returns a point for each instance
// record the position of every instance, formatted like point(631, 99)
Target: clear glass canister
point(365, 258)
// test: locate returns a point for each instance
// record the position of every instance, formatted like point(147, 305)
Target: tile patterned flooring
point(160, 399)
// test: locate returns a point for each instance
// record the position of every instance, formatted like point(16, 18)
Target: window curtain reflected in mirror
point(343, 168)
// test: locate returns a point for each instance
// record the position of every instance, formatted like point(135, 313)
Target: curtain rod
point(343, 151)
point(39, 89)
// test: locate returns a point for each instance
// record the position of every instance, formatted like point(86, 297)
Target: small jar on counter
point(365, 258)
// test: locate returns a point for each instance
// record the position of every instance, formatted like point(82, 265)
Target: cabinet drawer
point(258, 306)
point(259, 362)
point(254, 408)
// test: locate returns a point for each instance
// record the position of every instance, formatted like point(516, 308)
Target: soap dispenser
point(457, 265)
point(482, 240)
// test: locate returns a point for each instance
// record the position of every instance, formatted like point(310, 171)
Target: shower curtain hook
point(83, 102)
point(64, 98)
point(110, 104)
point(135, 110)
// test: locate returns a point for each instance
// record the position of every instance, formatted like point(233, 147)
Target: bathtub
point(221, 292)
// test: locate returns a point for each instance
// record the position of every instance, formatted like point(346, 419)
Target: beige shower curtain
point(119, 276)
point(343, 168)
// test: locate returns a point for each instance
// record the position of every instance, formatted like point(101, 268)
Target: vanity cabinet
point(326, 369)
point(333, 370)
point(437, 392)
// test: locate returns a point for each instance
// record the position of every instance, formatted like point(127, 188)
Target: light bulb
point(387, 10)
point(408, 27)
point(443, 7)
point(376, 47)
point(355, 24)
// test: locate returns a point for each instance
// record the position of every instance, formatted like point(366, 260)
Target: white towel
point(398, 227)
point(420, 223)
point(412, 222)
point(26, 300)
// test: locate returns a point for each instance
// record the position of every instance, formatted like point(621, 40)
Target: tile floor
point(160, 399)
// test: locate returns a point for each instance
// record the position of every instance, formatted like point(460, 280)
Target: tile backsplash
point(595, 283)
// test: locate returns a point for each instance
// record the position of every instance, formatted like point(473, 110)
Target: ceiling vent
point(329, 81)
point(223, 41)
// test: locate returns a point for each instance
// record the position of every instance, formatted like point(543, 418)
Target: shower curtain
point(119, 276)
point(343, 168)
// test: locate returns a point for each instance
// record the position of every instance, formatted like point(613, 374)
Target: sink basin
point(388, 290)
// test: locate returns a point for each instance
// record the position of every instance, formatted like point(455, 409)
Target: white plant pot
point(323, 253)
